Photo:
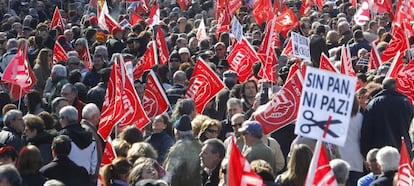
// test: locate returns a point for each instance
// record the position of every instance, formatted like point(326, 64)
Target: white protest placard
point(325, 106)
point(300, 45)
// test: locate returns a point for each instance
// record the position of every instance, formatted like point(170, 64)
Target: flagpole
point(20, 96)
point(314, 163)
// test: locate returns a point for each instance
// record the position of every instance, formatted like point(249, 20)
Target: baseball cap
point(183, 123)
point(183, 50)
point(252, 127)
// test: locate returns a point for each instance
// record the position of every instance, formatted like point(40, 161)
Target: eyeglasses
point(212, 131)
point(219, 49)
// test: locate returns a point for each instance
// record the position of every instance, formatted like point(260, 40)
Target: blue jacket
point(162, 143)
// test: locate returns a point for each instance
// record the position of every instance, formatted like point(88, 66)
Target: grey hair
point(59, 70)
point(72, 87)
point(73, 53)
point(56, 102)
point(234, 101)
point(70, 113)
point(11, 115)
point(90, 110)
point(217, 146)
point(10, 174)
point(81, 41)
point(179, 76)
point(389, 84)
point(237, 115)
point(102, 49)
point(388, 158)
point(340, 169)
point(12, 43)
point(53, 182)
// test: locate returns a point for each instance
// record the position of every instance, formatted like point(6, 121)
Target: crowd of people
point(49, 136)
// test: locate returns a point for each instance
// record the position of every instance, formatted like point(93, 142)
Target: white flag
point(237, 29)
point(201, 32)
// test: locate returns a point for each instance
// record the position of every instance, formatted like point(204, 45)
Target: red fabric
point(183, 4)
point(399, 42)
point(374, 59)
point(223, 20)
point(405, 170)
point(404, 75)
point(324, 174)
point(283, 109)
point(383, 6)
point(288, 50)
point(57, 21)
point(145, 63)
point(203, 85)
point(326, 64)
point(241, 59)
point(135, 18)
point(262, 11)
point(295, 67)
point(19, 73)
point(305, 7)
point(109, 153)
point(155, 100)
point(86, 57)
point(286, 22)
point(154, 16)
point(239, 170)
point(346, 64)
point(267, 55)
point(59, 54)
point(112, 107)
point(162, 47)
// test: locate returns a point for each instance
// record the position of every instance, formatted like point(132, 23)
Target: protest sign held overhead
point(325, 106)
point(300, 46)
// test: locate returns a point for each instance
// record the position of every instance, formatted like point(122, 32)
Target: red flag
point(203, 85)
point(292, 70)
point(374, 59)
point(326, 64)
point(262, 11)
point(57, 21)
point(320, 172)
point(86, 57)
point(183, 4)
point(346, 64)
point(404, 75)
point(305, 7)
point(398, 42)
point(155, 100)
point(241, 59)
point(59, 54)
point(109, 153)
point(286, 22)
point(283, 109)
point(239, 170)
point(382, 6)
point(267, 54)
point(405, 170)
point(19, 73)
point(112, 107)
point(223, 20)
point(162, 47)
point(135, 18)
point(145, 63)
point(233, 5)
point(154, 16)
point(133, 112)
point(288, 50)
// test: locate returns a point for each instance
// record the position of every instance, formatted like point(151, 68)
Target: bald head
point(389, 84)
point(179, 77)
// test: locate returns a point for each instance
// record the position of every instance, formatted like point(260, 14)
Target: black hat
point(183, 123)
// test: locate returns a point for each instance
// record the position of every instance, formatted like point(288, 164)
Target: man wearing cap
point(182, 163)
point(254, 148)
point(115, 43)
point(185, 56)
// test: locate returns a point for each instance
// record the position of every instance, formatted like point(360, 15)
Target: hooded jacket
point(83, 151)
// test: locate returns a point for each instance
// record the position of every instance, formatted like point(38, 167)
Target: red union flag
point(346, 64)
point(109, 153)
point(183, 4)
point(234, 5)
point(162, 47)
point(286, 21)
point(283, 109)
point(112, 107)
point(320, 172)
point(59, 54)
point(203, 85)
point(133, 112)
point(241, 59)
point(239, 170)
point(374, 59)
point(86, 57)
point(145, 63)
point(269, 66)
point(398, 42)
point(155, 100)
point(404, 75)
point(288, 50)
point(223, 20)
point(405, 170)
point(326, 64)
point(19, 73)
point(57, 21)
point(262, 11)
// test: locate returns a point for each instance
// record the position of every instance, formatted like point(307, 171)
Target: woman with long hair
point(297, 167)
point(28, 164)
point(33, 102)
point(209, 129)
point(42, 68)
point(116, 173)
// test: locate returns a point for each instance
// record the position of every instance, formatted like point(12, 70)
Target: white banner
point(300, 46)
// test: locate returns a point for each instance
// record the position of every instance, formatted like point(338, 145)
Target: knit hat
point(183, 123)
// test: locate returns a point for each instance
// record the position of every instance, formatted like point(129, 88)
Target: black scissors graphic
point(306, 128)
